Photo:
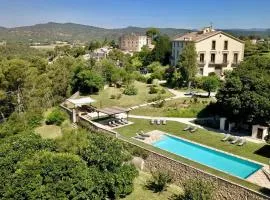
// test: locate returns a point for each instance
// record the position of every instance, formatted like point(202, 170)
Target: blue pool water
point(215, 159)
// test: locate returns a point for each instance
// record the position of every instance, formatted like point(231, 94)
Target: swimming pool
point(206, 156)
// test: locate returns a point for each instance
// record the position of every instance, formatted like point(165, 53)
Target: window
point(225, 58)
point(235, 58)
point(201, 57)
point(213, 45)
point(226, 45)
point(213, 58)
point(201, 71)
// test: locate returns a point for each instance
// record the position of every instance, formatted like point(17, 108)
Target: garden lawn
point(103, 99)
point(205, 137)
point(184, 107)
point(142, 193)
point(201, 136)
point(49, 131)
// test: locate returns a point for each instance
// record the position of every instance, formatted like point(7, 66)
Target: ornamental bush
point(130, 90)
point(56, 117)
point(153, 89)
point(159, 181)
point(196, 189)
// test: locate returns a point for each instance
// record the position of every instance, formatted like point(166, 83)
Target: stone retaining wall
point(225, 190)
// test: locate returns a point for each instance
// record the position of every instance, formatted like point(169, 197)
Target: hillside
point(76, 32)
point(71, 32)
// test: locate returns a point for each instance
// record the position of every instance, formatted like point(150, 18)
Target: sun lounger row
point(117, 122)
point(158, 121)
point(234, 140)
point(190, 129)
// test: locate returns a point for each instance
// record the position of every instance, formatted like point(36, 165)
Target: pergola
point(79, 104)
point(81, 101)
point(112, 111)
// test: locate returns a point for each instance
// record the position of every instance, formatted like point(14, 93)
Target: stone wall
point(224, 190)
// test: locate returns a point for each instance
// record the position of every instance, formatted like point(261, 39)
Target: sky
point(143, 13)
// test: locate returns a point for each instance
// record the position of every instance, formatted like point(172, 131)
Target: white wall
point(205, 46)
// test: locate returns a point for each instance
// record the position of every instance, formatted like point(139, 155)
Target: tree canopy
point(188, 61)
point(244, 97)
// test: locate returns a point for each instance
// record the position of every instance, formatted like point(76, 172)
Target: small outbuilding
point(259, 132)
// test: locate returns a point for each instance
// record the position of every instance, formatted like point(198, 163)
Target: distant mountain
point(261, 32)
point(76, 32)
point(71, 32)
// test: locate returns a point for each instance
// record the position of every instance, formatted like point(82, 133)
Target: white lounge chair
point(121, 122)
point(227, 137)
point(236, 139)
point(242, 142)
point(164, 122)
point(111, 124)
point(114, 123)
point(158, 122)
point(152, 121)
point(193, 130)
point(125, 121)
point(187, 128)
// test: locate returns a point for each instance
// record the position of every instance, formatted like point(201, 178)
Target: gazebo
point(79, 103)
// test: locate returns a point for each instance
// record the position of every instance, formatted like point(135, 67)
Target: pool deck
point(259, 177)
point(154, 136)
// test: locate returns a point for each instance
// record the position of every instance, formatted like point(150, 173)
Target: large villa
point(217, 51)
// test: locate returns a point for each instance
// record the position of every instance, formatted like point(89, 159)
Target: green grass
point(201, 136)
point(141, 193)
point(49, 131)
point(184, 107)
point(205, 137)
point(103, 99)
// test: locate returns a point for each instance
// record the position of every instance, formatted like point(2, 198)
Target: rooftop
point(205, 33)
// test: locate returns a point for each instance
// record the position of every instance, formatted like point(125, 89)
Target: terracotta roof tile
point(196, 36)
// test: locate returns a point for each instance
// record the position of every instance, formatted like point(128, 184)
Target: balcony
point(235, 64)
point(225, 62)
point(201, 63)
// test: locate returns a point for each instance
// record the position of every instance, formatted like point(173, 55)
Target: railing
point(201, 62)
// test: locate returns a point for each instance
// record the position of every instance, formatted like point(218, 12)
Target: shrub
point(119, 96)
point(56, 117)
point(196, 189)
point(156, 98)
point(155, 82)
point(159, 181)
point(153, 89)
point(149, 80)
point(136, 151)
point(113, 96)
point(159, 104)
point(162, 91)
point(34, 118)
point(130, 90)
point(141, 78)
